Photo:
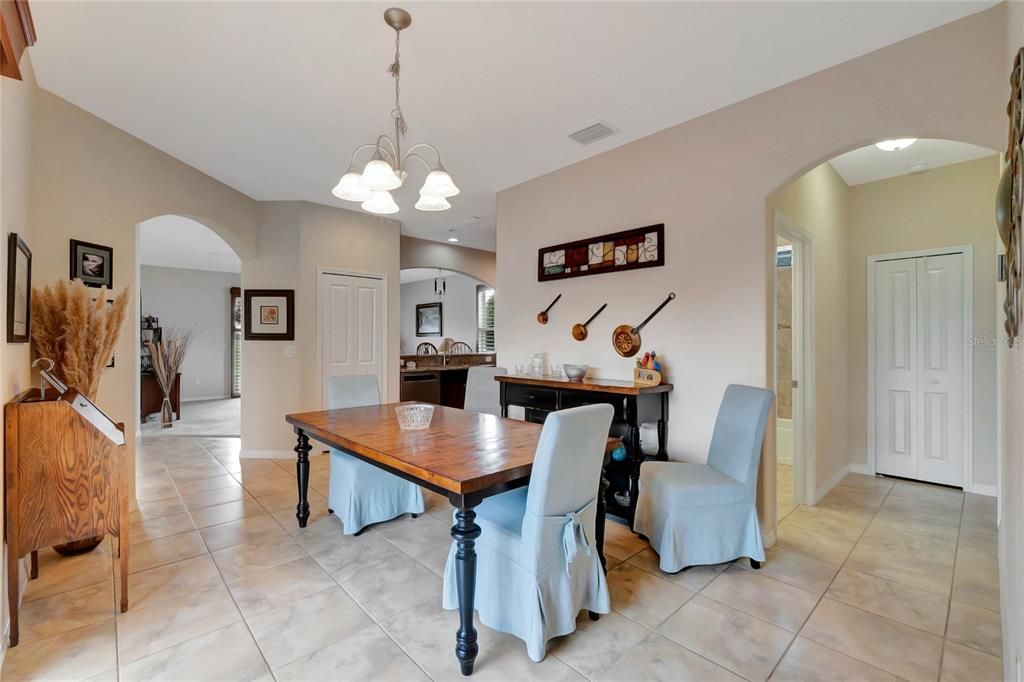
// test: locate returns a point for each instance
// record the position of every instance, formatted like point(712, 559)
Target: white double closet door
point(352, 312)
point(920, 394)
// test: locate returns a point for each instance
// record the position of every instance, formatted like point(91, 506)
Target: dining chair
point(482, 391)
point(361, 494)
point(699, 514)
point(536, 566)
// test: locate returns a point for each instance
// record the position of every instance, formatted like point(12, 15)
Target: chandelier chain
point(396, 72)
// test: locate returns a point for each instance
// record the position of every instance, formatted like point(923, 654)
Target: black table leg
point(302, 477)
point(465, 532)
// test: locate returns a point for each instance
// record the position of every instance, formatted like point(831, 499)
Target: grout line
point(829, 586)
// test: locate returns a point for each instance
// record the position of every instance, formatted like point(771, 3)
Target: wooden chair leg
point(13, 580)
point(594, 616)
point(755, 564)
point(123, 550)
point(34, 564)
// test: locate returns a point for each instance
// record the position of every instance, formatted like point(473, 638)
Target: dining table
point(465, 456)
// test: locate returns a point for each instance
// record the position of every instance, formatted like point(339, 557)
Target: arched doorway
point(188, 281)
point(929, 198)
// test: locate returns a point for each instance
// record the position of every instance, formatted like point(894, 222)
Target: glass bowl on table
point(414, 416)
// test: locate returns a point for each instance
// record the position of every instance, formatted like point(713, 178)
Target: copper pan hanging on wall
point(626, 339)
point(579, 331)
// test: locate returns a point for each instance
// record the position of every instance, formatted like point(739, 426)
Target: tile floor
point(882, 580)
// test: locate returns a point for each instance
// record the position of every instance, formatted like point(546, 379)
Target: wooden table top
point(597, 385)
point(461, 452)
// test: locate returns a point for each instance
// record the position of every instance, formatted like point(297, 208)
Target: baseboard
point(202, 398)
point(275, 454)
point(984, 489)
point(830, 483)
point(861, 469)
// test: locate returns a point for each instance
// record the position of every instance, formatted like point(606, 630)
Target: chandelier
point(386, 169)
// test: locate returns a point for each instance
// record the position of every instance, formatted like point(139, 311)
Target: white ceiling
point(172, 241)
point(410, 275)
point(870, 163)
point(272, 97)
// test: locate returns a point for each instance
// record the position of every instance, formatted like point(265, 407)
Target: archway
point(188, 281)
point(840, 290)
point(465, 308)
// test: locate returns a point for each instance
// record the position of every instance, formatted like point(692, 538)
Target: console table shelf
point(634, 405)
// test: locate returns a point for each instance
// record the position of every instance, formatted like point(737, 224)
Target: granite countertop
point(405, 370)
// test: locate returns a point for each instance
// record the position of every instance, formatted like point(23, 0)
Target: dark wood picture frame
point(440, 319)
point(592, 269)
point(16, 245)
point(247, 312)
point(89, 280)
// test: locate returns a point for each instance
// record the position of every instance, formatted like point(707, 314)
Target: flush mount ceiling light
point(895, 145)
point(386, 169)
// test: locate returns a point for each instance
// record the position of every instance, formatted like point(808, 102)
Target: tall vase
point(166, 413)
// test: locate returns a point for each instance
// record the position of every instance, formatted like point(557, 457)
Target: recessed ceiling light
point(917, 167)
point(895, 145)
point(452, 237)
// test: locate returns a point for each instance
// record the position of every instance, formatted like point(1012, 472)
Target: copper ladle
point(542, 317)
point(626, 339)
point(579, 331)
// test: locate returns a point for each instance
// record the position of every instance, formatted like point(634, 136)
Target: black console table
point(634, 405)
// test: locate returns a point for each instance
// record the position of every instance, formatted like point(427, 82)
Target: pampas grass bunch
point(77, 332)
point(167, 357)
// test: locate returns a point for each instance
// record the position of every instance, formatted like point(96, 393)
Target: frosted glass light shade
point(351, 188)
point(380, 202)
point(379, 176)
point(439, 184)
point(895, 145)
point(432, 203)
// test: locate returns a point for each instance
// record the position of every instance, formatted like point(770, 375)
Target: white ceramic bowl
point(575, 372)
point(414, 417)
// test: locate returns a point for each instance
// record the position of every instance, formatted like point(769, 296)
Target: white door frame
point(804, 451)
point(968, 310)
point(385, 359)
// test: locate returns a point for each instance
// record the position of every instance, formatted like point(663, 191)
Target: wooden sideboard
point(66, 479)
point(152, 396)
point(634, 405)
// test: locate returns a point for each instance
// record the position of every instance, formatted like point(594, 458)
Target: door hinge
point(795, 383)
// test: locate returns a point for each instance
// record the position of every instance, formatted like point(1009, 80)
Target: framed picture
point(19, 289)
point(428, 319)
point(643, 247)
point(269, 314)
point(92, 263)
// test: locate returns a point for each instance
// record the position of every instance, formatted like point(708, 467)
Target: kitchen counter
point(447, 368)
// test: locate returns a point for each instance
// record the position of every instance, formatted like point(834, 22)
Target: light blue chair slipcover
point(482, 391)
point(699, 514)
point(537, 566)
point(361, 494)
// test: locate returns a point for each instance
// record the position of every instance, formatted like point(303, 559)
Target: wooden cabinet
point(151, 396)
point(66, 479)
point(17, 32)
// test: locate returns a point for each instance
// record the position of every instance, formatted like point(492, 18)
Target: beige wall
point(421, 253)
point(818, 203)
point(1011, 531)
point(947, 206)
point(708, 180)
point(15, 167)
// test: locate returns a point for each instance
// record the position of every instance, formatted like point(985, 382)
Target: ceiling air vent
point(593, 133)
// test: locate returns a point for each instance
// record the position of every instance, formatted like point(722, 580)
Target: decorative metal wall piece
point(628, 250)
point(1010, 203)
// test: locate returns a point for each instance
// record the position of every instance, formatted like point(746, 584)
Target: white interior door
point(352, 310)
point(920, 393)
